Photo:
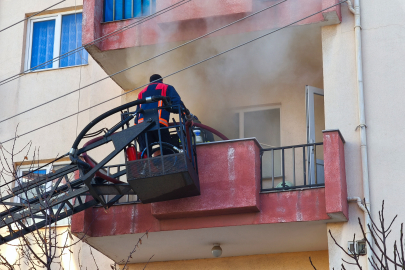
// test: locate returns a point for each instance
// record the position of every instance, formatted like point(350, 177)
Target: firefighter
point(157, 88)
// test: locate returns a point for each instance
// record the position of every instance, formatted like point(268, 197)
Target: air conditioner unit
point(357, 247)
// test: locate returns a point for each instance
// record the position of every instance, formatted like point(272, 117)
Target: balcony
point(239, 206)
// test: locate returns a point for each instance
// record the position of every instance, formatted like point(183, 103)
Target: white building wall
point(383, 34)
point(38, 87)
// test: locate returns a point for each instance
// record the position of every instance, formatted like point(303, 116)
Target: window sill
point(133, 18)
point(50, 69)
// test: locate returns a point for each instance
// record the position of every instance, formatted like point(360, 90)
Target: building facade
point(283, 80)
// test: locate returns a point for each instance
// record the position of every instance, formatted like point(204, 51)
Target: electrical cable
point(31, 16)
point(176, 72)
point(115, 32)
point(147, 60)
point(80, 76)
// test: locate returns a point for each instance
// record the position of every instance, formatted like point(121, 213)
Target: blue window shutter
point(128, 9)
point(108, 10)
point(146, 7)
point(43, 37)
point(119, 10)
point(42, 172)
point(71, 38)
point(137, 8)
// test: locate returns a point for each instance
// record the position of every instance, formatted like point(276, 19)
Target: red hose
point(214, 131)
point(210, 129)
point(92, 165)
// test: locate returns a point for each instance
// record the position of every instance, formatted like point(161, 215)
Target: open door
point(315, 125)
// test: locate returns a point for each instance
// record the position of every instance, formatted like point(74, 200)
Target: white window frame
point(242, 111)
point(32, 167)
point(49, 168)
point(56, 45)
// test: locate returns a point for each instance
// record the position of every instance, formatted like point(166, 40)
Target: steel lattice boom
point(45, 199)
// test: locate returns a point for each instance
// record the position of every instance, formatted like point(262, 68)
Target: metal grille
point(292, 167)
point(151, 167)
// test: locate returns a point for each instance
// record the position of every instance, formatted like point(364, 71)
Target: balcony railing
point(292, 167)
point(116, 10)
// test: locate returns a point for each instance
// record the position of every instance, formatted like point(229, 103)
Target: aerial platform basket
point(163, 178)
point(170, 176)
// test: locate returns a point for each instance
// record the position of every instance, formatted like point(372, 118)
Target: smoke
point(272, 71)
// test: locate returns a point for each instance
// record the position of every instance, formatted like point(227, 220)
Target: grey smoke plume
point(270, 71)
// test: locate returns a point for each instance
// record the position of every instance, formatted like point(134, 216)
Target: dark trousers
point(153, 136)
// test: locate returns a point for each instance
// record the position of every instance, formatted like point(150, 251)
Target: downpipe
point(362, 126)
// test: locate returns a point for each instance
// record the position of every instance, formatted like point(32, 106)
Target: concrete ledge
point(229, 173)
point(335, 175)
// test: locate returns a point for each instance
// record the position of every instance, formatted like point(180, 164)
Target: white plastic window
point(51, 36)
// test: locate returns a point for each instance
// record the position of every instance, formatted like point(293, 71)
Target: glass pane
point(146, 7)
point(26, 177)
point(265, 127)
point(128, 9)
point(43, 37)
point(71, 39)
point(137, 8)
point(108, 10)
point(119, 10)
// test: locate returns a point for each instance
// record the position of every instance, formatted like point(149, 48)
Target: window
point(29, 173)
point(51, 36)
point(115, 10)
point(263, 123)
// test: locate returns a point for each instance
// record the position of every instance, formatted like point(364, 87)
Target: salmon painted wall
point(195, 18)
point(236, 198)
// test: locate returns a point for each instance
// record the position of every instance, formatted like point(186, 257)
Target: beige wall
point(38, 87)
point(80, 256)
point(282, 261)
point(383, 35)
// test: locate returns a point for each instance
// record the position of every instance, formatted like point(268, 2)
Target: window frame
point(22, 170)
point(242, 111)
point(241, 114)
point(152, 11)
point(49, 168)
point(56, 44)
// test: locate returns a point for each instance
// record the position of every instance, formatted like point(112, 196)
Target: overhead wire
point(181, 70)
point(31, 16)
point(147, 60)
point(100, 39)
point(80, 74)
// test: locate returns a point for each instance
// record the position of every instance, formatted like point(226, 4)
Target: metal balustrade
point(292, 167)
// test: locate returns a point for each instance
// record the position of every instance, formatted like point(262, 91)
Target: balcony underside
point(166, 32)
point(197, 243)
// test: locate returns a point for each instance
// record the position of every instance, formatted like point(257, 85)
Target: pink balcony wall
point(229, 175)
point(196, 18)
point(229, 185)
point(335, 175)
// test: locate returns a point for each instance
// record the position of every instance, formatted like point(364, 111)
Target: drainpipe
point(362, 125)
